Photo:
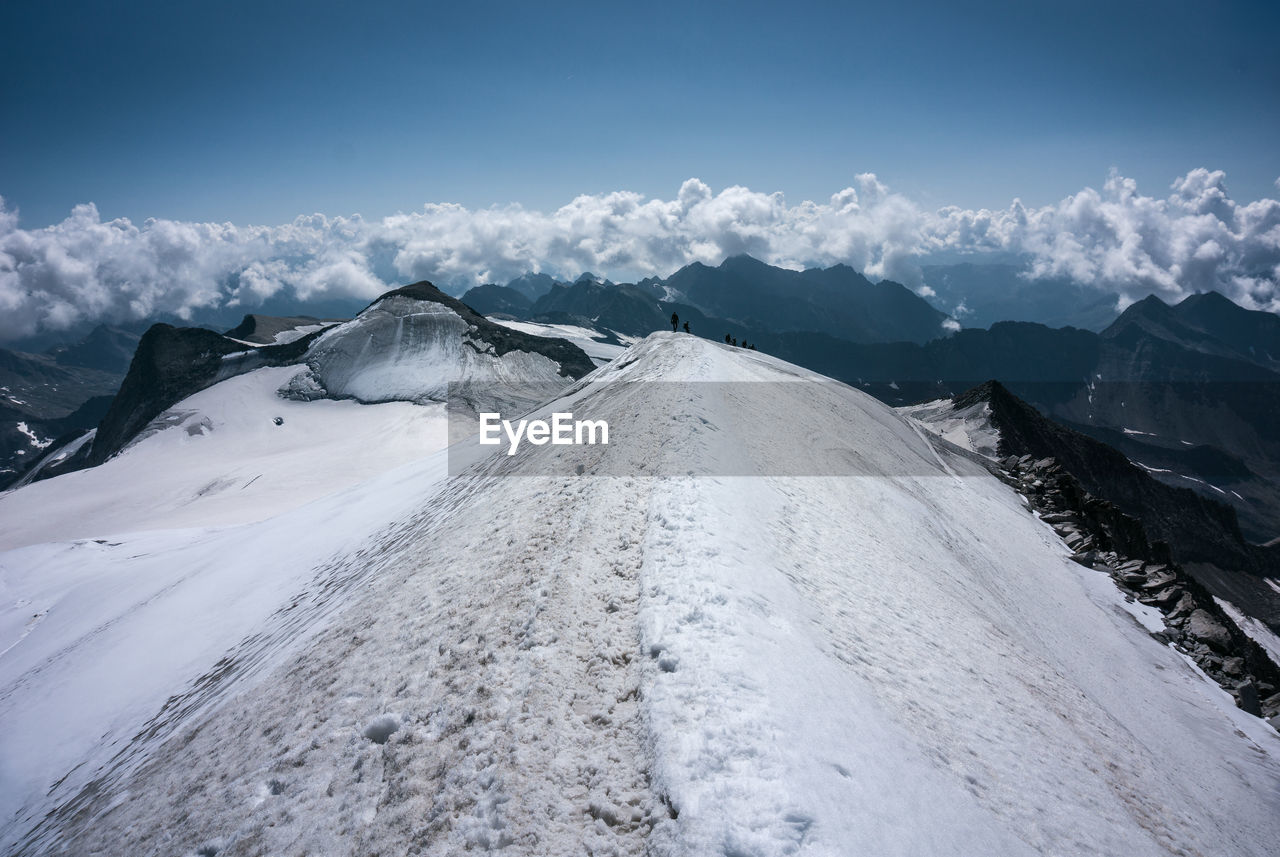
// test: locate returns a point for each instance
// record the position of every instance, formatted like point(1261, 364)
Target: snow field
point(223, 460)
point(512, 680)
point(578, 664)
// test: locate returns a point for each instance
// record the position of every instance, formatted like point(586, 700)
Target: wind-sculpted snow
point(904, 662)
point(598, 345)
point(411, 344)
point(409, 351)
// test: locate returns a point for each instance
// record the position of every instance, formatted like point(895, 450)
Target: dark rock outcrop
point(1205, 627)
point(266, 329)
point(170, 364)
point(1197, 528)
point(1106, 539)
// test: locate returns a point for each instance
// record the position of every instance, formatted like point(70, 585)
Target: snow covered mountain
point(670, 644)
point(411, 343)
point(408, 345)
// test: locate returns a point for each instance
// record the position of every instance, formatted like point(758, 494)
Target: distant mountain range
point(979, 295)
point(741, 295)
point(742, 290)
point(66, 389)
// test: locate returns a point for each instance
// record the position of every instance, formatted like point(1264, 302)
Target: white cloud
point(81, 269)
point(1196, 239)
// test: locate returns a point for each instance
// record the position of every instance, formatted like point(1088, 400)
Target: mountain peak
point(743, 260)
point(1151, 303)
point(1212, 296)
point(1210, 301)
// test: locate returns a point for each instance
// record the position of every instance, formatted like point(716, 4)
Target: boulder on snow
point(1164, 597)
point(303, 387)
point(1204, 626)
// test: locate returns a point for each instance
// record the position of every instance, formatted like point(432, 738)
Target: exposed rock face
point(276, 330)
point(170, 364)
point(1107, 539)
point(1199, 533)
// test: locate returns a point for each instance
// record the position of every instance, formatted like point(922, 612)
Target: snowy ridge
point(884, 664)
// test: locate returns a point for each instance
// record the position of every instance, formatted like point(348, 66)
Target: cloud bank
point(83, 269)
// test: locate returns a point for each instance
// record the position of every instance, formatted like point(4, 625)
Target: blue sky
point(179, 157)
point(228, 111)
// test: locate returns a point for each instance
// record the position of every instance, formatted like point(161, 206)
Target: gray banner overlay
point(804, 427)
point(683, 429)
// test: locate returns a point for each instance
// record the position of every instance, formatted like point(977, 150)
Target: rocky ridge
point(1104, 538)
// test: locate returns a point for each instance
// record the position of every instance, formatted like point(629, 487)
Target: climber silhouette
point(675, 322)
point(686, 328)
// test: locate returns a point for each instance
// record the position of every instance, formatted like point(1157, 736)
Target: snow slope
point(585, 338)
point(968, 428)
point(218, 458)
point(120, 582)
point(902, 662)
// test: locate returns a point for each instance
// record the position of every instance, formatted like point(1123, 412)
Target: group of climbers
point(728, 340)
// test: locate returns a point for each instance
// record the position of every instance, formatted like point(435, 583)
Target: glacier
point(397, 654)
